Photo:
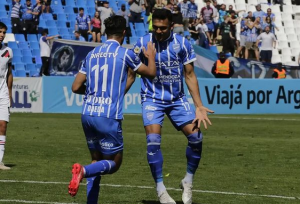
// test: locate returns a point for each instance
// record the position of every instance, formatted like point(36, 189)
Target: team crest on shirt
point(137, 50)
point(137, 58)
point(176, 48)
point(150, 116)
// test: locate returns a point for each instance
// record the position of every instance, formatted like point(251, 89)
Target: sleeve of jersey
point(133, 60)
point(11, 54)
point(188, 53)
point(83, 68)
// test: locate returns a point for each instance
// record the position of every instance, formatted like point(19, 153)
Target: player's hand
point(201, 116)
point(151, 51)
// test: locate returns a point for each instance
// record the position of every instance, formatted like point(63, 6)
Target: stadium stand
point(26, 49)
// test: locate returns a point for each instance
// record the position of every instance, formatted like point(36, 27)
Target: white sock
point(2, 148)
point(160, 188)
point(188, 178)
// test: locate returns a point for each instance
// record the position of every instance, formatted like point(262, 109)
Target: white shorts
point(243, 40)
point(4, 109)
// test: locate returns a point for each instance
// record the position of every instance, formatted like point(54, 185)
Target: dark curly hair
point(115, 25)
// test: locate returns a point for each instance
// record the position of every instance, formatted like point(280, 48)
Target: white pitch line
point(28, 201)
point(243, 118)
point(149, 187)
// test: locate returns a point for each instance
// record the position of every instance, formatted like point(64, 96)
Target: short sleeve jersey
point(106, 69)
point(6, 56)
point(171, 56)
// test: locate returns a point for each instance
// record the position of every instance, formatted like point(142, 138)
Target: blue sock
point(154, 156)
point(99, 168)
point(193, 152)
point(92, 189)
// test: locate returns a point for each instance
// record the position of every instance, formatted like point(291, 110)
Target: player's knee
point(195, 141)
point(153, 143)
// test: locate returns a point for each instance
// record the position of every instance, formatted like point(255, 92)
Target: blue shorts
point(210, 26)
point(179, 112)
point(103, 134)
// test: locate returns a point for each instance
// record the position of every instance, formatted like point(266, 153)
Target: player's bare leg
point(193, 155)
point(155, 161)
point(3, 127)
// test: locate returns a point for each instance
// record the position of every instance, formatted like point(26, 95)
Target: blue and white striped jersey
point(106, 69)
point(193, 10)
point(171, 56)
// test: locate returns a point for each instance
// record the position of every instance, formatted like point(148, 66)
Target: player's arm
point(192, 84)
point(130, 79)
point(78, 85)
point(10, 82)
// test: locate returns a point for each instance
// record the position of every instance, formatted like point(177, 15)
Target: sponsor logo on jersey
point(103, 54)
point(152, 108)
point(106, 145)
point(168, 64)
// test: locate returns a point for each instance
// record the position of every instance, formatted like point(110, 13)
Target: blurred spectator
point(250, 16)
point(216, 20)
point(227, 38)
point(149, 20)
point(15, 17)
point(27, 17)
point(45, 52)
point(192, 29)
point(44, 3)
point(105, 12)
point(177, 20)
point(136, 8)
point(204, 36)
point(279, 72)
point(233, 20)
point(149, 7)
point(83, 24)
point(169, 6)
point(268, 42)
point(252, 33)
point(222, 13)
point(243, 36)
point(259, 13)
point(78, 36)
point(36, 12)
point(96, 31)
point(184, 7)
point(268, 22)
point(216, 5)
point(269, 14)
point(126, 14)
point(222, 68)
point(230, 8)
point(207, 13)
point(159, 5)
point(47, 8)
point(192, 10)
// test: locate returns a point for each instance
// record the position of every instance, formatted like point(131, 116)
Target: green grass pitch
point(249, 157)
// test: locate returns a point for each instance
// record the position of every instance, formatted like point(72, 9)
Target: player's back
point(106, 73)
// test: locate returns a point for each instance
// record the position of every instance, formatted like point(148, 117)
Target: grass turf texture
point(249, 156)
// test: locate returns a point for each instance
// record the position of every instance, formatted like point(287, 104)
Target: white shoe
point(186, 192)
point(165, 198)
point(3, 167)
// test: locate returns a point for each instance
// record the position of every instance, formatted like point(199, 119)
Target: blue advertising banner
point(224, 96)
point(59, 98)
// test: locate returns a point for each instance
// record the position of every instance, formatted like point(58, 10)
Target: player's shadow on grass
point(10, 165)
point(157, 202)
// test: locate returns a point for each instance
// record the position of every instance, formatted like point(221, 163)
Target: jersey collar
point(112, 40)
